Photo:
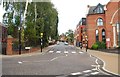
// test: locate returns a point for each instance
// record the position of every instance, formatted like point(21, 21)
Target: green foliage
point(15, 45)
point(70, 36)
point(99, 45)
point(95, 46)
point(40, 17)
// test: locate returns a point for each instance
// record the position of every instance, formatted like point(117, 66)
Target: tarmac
point(111, 60)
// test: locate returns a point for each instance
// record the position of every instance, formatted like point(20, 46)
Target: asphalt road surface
point(60, 61)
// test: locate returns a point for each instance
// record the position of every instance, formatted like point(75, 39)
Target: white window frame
point(99, 22)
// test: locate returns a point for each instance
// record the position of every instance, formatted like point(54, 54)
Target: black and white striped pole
point(41, 40)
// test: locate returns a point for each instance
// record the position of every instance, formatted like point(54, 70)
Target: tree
point(43, 19)
point(70, 36)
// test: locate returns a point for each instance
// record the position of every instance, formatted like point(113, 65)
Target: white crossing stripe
point(77, 73)
point(19, 62)
point(94, 73)
point(80, 52)
point(51, 51)
point(58, 52)
point(65, 51)
point(73, 52)
point(86, 71)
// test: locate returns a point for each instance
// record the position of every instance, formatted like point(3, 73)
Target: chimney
point(88, 6)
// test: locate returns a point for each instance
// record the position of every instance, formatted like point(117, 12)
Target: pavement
point(111, 60)
point(29, 54)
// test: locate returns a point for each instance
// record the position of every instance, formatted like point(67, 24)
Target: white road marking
point(96, 61)
point(86, 71)
point(53, 58)
point(77, 73)
point(65, 51)
point(94, 65)
point(90, 55)
point(73, 52)
point(80, 52)
point(58, 52)
point(51, 51)
point(36, 61)
point(19, 62)
point(94, 73)
point(94, 69)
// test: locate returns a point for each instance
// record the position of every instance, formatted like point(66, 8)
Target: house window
point(99, 10)
point(103, 35)
point(118, 32)
point(97, 35)
point(99, 22)
point(118, 25)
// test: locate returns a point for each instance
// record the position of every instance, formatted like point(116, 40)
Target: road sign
point(108, 39)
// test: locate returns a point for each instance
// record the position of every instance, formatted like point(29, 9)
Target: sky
point(71, 11)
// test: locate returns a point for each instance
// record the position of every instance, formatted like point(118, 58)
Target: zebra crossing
point(66, 52)
point(86, 72)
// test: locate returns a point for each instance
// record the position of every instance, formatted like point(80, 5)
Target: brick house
point(79, 32)
point(103, 24)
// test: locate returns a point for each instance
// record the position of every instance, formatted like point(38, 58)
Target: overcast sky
point(71, 11)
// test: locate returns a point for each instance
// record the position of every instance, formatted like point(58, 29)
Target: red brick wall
point(9, 46)
point(111, 8)
point(92, 26)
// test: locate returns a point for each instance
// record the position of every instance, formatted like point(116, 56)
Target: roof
point(92, 8)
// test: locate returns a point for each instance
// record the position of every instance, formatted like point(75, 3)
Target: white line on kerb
point(77, 73)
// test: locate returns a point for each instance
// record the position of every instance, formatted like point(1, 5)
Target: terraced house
point(103, 24)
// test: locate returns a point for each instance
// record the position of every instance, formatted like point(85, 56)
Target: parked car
point(66, 43)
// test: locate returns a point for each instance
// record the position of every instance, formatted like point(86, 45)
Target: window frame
point(100, 22)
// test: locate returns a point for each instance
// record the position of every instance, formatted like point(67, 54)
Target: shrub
point(102, 45)
point(95, 46)
point(99, 45)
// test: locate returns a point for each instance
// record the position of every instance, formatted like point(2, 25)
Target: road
point(61, 61)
